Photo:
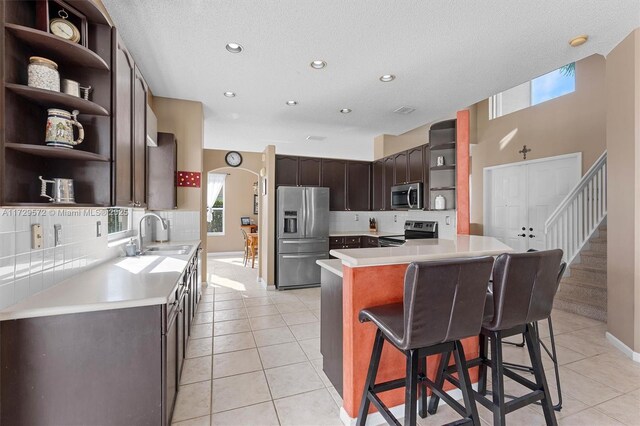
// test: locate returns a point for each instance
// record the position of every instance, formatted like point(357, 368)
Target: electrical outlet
point(447, 220)
point(395, 218)
point(36, 236)
point(98, 229)
point(357, 217)
point(57, 234)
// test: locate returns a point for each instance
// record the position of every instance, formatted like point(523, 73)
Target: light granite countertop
point(122, 282)
point(422, 250)
point(332, 265)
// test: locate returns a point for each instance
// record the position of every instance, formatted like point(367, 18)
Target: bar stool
point(443, 303)
point(551, 352)
point(524, 286)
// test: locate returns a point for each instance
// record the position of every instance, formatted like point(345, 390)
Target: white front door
point(520, 197)
point(508, 196)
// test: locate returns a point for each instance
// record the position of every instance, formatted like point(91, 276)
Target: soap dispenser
point(131, 249)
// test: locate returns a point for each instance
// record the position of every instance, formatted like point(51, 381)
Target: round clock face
point(64, 29)
point(233, 158)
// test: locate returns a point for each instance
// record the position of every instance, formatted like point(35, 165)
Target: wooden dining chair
point(253, 249)
point(245, 254)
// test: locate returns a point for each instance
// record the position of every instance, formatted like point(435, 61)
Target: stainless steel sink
point(167, 250)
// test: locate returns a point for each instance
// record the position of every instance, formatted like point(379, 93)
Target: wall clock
point(233, 158)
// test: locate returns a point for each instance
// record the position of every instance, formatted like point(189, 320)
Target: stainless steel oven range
point(413, 230)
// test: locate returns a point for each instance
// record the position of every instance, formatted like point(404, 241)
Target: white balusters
point(571, 225)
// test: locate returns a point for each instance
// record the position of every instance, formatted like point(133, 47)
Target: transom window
point(541, 89)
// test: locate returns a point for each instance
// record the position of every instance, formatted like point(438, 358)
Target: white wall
point(391, 221)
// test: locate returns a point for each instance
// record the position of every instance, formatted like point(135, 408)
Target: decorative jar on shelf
point(440, 202)
point(43, 74)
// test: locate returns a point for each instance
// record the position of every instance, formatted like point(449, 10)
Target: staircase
point(578, 227)
point(583, 290)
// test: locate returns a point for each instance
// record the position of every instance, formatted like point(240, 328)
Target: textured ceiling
point(446, 55)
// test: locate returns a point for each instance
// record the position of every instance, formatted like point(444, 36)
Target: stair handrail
point(576, 190)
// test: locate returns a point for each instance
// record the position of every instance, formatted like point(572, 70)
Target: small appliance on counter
point(413, 230)
point(440, 203)
point(373, 225)
point(407, 197)
point(62, 190)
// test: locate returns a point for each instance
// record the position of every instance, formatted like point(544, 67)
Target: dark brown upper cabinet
point(334, 177)
point(416, 165)
point(139, 147)
point(286, 170)
point(162, 165)
point(389, 173)
point(358, 186)
point(123, 77)
point(130, 129)
point(400, 168)
point(377, 185)
point(309, 171)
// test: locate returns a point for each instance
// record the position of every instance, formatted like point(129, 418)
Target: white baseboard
point(264, 284)
point(376, 418)
point(635, 356)
point(224, 253)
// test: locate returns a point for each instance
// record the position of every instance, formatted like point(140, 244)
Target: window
point(118, 222)
point(541, 89)
point(215, 203)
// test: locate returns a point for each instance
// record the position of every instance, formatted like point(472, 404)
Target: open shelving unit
point(442, 179)
point(23, 153)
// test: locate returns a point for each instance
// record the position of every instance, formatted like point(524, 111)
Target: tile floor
point(254, 359)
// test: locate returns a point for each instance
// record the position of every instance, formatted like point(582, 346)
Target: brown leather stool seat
point(443, 303)
point(524, 286)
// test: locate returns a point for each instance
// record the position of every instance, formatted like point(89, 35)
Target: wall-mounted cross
point(524, 151)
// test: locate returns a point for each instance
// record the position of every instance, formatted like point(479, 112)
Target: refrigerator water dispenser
point(290, 222)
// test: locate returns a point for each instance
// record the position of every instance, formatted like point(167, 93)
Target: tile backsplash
point(25, 271)
point(392, 221)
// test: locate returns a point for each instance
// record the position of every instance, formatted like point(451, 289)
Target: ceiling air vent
point(316, 138)
point(404, 110)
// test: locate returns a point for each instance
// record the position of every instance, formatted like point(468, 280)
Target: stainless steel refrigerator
point(303, 235)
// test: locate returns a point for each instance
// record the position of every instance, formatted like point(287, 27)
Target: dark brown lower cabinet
point(113, 367)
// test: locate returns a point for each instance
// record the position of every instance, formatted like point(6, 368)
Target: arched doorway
point(232, 194)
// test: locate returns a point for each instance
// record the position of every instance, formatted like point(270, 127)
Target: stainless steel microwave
point(407, 197)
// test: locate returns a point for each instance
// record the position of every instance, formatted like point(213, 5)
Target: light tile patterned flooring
point(254, 359)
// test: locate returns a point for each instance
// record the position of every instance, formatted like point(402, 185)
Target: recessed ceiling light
point(345, 110)
point(292, 103)
point(234, 48)
point(387, 77)
point(318, 65)
point(578, 41)
point(230, 94)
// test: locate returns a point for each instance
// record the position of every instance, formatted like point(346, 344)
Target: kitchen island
point(375, 276)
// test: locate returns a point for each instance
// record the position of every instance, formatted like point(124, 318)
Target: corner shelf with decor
point(442, 165)
point(28, 29)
